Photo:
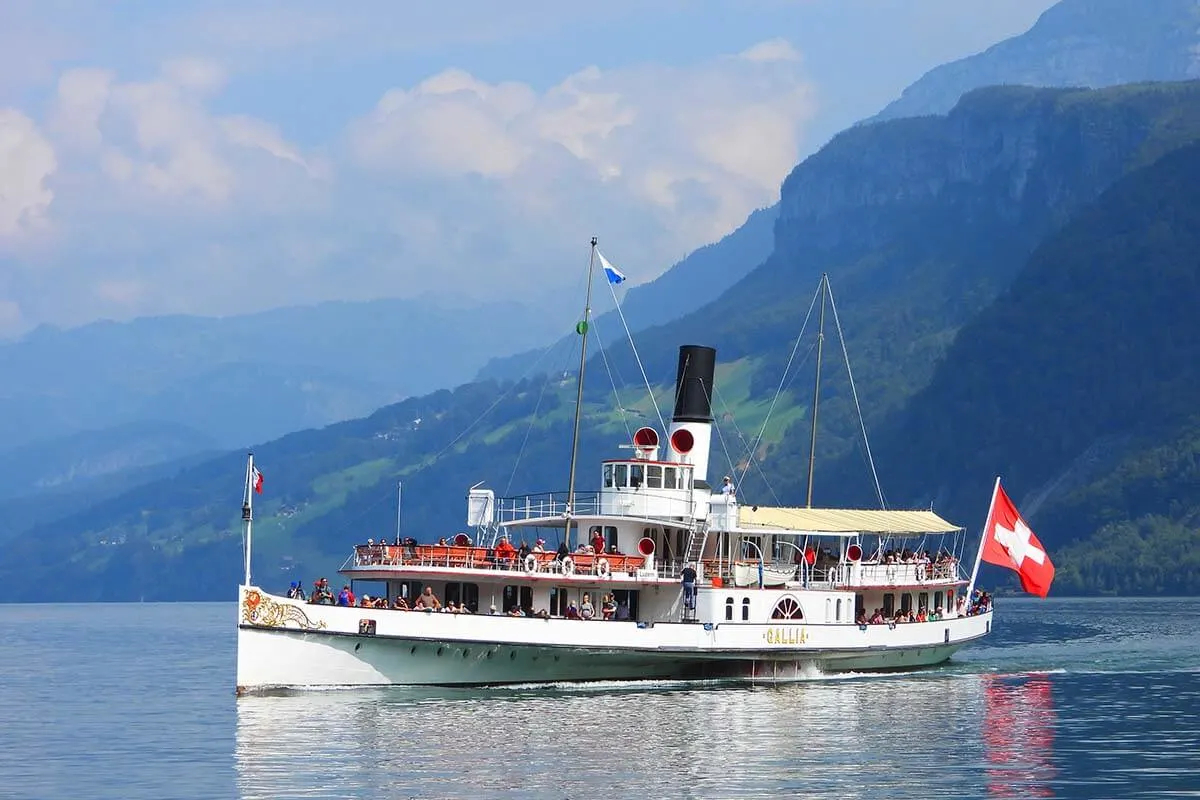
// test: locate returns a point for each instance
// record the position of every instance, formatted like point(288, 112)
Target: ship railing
point(471, 557)
point(546, 504)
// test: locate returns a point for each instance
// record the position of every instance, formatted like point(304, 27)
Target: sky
point(224, 157)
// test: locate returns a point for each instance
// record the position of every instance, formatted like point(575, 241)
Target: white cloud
point(26, 163)
point(452, 185)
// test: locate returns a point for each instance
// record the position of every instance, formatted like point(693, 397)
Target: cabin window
point(558, 602)
point(610, 537)
point(745, 609)
point(518, 596)
point(839, 611)
point(752, 547)
point(636, 475)
point(906, 602)
point(949, 600)
point(653, 477)
point(729, 608)
point(860, 606)
point(608, 476)
point(410, 590)
point(621, 475)
point(889, 604)
point(923, 601)
point(629, 597)
point(669, 478)
point(463, 593)
point(828, 610)
point(685, 478)
point(937, 600)
point(787, 608)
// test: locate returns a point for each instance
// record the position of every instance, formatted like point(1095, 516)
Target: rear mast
point(582, 329)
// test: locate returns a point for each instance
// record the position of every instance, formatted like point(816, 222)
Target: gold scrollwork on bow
point(260, 610)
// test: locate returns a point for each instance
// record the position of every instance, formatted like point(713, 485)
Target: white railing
point(546, 504)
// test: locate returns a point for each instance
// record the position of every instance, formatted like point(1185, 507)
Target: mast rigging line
point(782, 378)
point(636, 357)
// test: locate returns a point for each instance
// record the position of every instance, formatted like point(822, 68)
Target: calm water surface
point(1078, 699)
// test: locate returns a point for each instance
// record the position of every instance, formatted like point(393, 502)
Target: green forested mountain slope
point(1079, 385)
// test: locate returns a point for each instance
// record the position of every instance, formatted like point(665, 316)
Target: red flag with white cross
point(1008, 542)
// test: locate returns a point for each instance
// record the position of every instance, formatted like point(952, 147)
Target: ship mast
point(812, 439)
point(582, 329)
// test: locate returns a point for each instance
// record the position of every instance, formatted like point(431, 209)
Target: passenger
point(296, 591)
point(727, 487)
point(428, 600)
point(622, 612)
point(492, 610)
point(608, 607)
point(442, 542)
point(598, 540)
point(450, 608)
point(464, 609)
point(516, 611)
point(505, 552)
point(689, 587)
point(586, 609)
point(539, 546)
point(401, 604)
point(572, 611)
point(522, 551)
point(562, 552)
point(345, 597)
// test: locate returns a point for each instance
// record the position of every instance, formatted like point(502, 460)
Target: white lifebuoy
point(603, 568)
point(531, 563)
point(568, 566)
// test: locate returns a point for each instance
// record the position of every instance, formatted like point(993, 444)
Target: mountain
point(696, 280)
point(1083, 43)
point(922, 224)
point(1079, 385)
point(248, 378)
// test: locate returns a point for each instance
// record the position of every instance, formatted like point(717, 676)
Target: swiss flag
point(256, 478)
point(1008, 542)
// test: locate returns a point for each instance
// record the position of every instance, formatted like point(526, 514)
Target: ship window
point(745, 609)
point(518, 596)
point(828, 610)
point(937, 600)
point(630, 598)
point(653, 477)
point(906, 602)
point(621, 475)
point(610, 537)
point(889, 604)
point(636, 475)
point(839, 611)
point(923, 601)
point(558, 602)
point(669, 478)
point(860, 606)
point(410, 590)
point(787, 608)
point(608, 478)
point(463, 593)
point(685, 478)
point(729, 608)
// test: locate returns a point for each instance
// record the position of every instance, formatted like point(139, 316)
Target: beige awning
point(844, 520)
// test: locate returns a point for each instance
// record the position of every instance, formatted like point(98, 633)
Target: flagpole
point(582, 330)
point(983, 539)
point(248, 511)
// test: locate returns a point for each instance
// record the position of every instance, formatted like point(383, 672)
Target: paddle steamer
point(682, 582)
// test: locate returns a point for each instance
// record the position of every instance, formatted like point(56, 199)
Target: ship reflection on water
point(913, 735)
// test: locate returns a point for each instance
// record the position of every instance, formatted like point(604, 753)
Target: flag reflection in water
point(1018, 735)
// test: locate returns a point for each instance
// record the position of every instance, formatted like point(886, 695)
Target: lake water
point(1068, 698)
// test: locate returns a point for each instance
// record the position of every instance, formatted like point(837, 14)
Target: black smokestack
point(694, 384)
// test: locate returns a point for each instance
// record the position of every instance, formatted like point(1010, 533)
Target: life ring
point(568, 566)
point(603, 568)
point(531, 563)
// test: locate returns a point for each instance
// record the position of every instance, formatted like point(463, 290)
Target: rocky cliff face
point(1086, 43)
point(1024, 156)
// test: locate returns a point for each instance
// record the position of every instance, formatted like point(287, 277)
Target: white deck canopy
point(843, 520)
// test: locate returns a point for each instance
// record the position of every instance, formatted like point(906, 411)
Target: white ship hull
point(301, 646)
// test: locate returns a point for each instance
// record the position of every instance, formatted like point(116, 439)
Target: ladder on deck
point(692, 555)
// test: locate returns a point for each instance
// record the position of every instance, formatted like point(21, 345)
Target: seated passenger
point(572, 612)
point(450, 608)
point(505, 552)
point(562, 552)
point(401, 604)
point(428, 600)
point(442, 542)
point(539, 546)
